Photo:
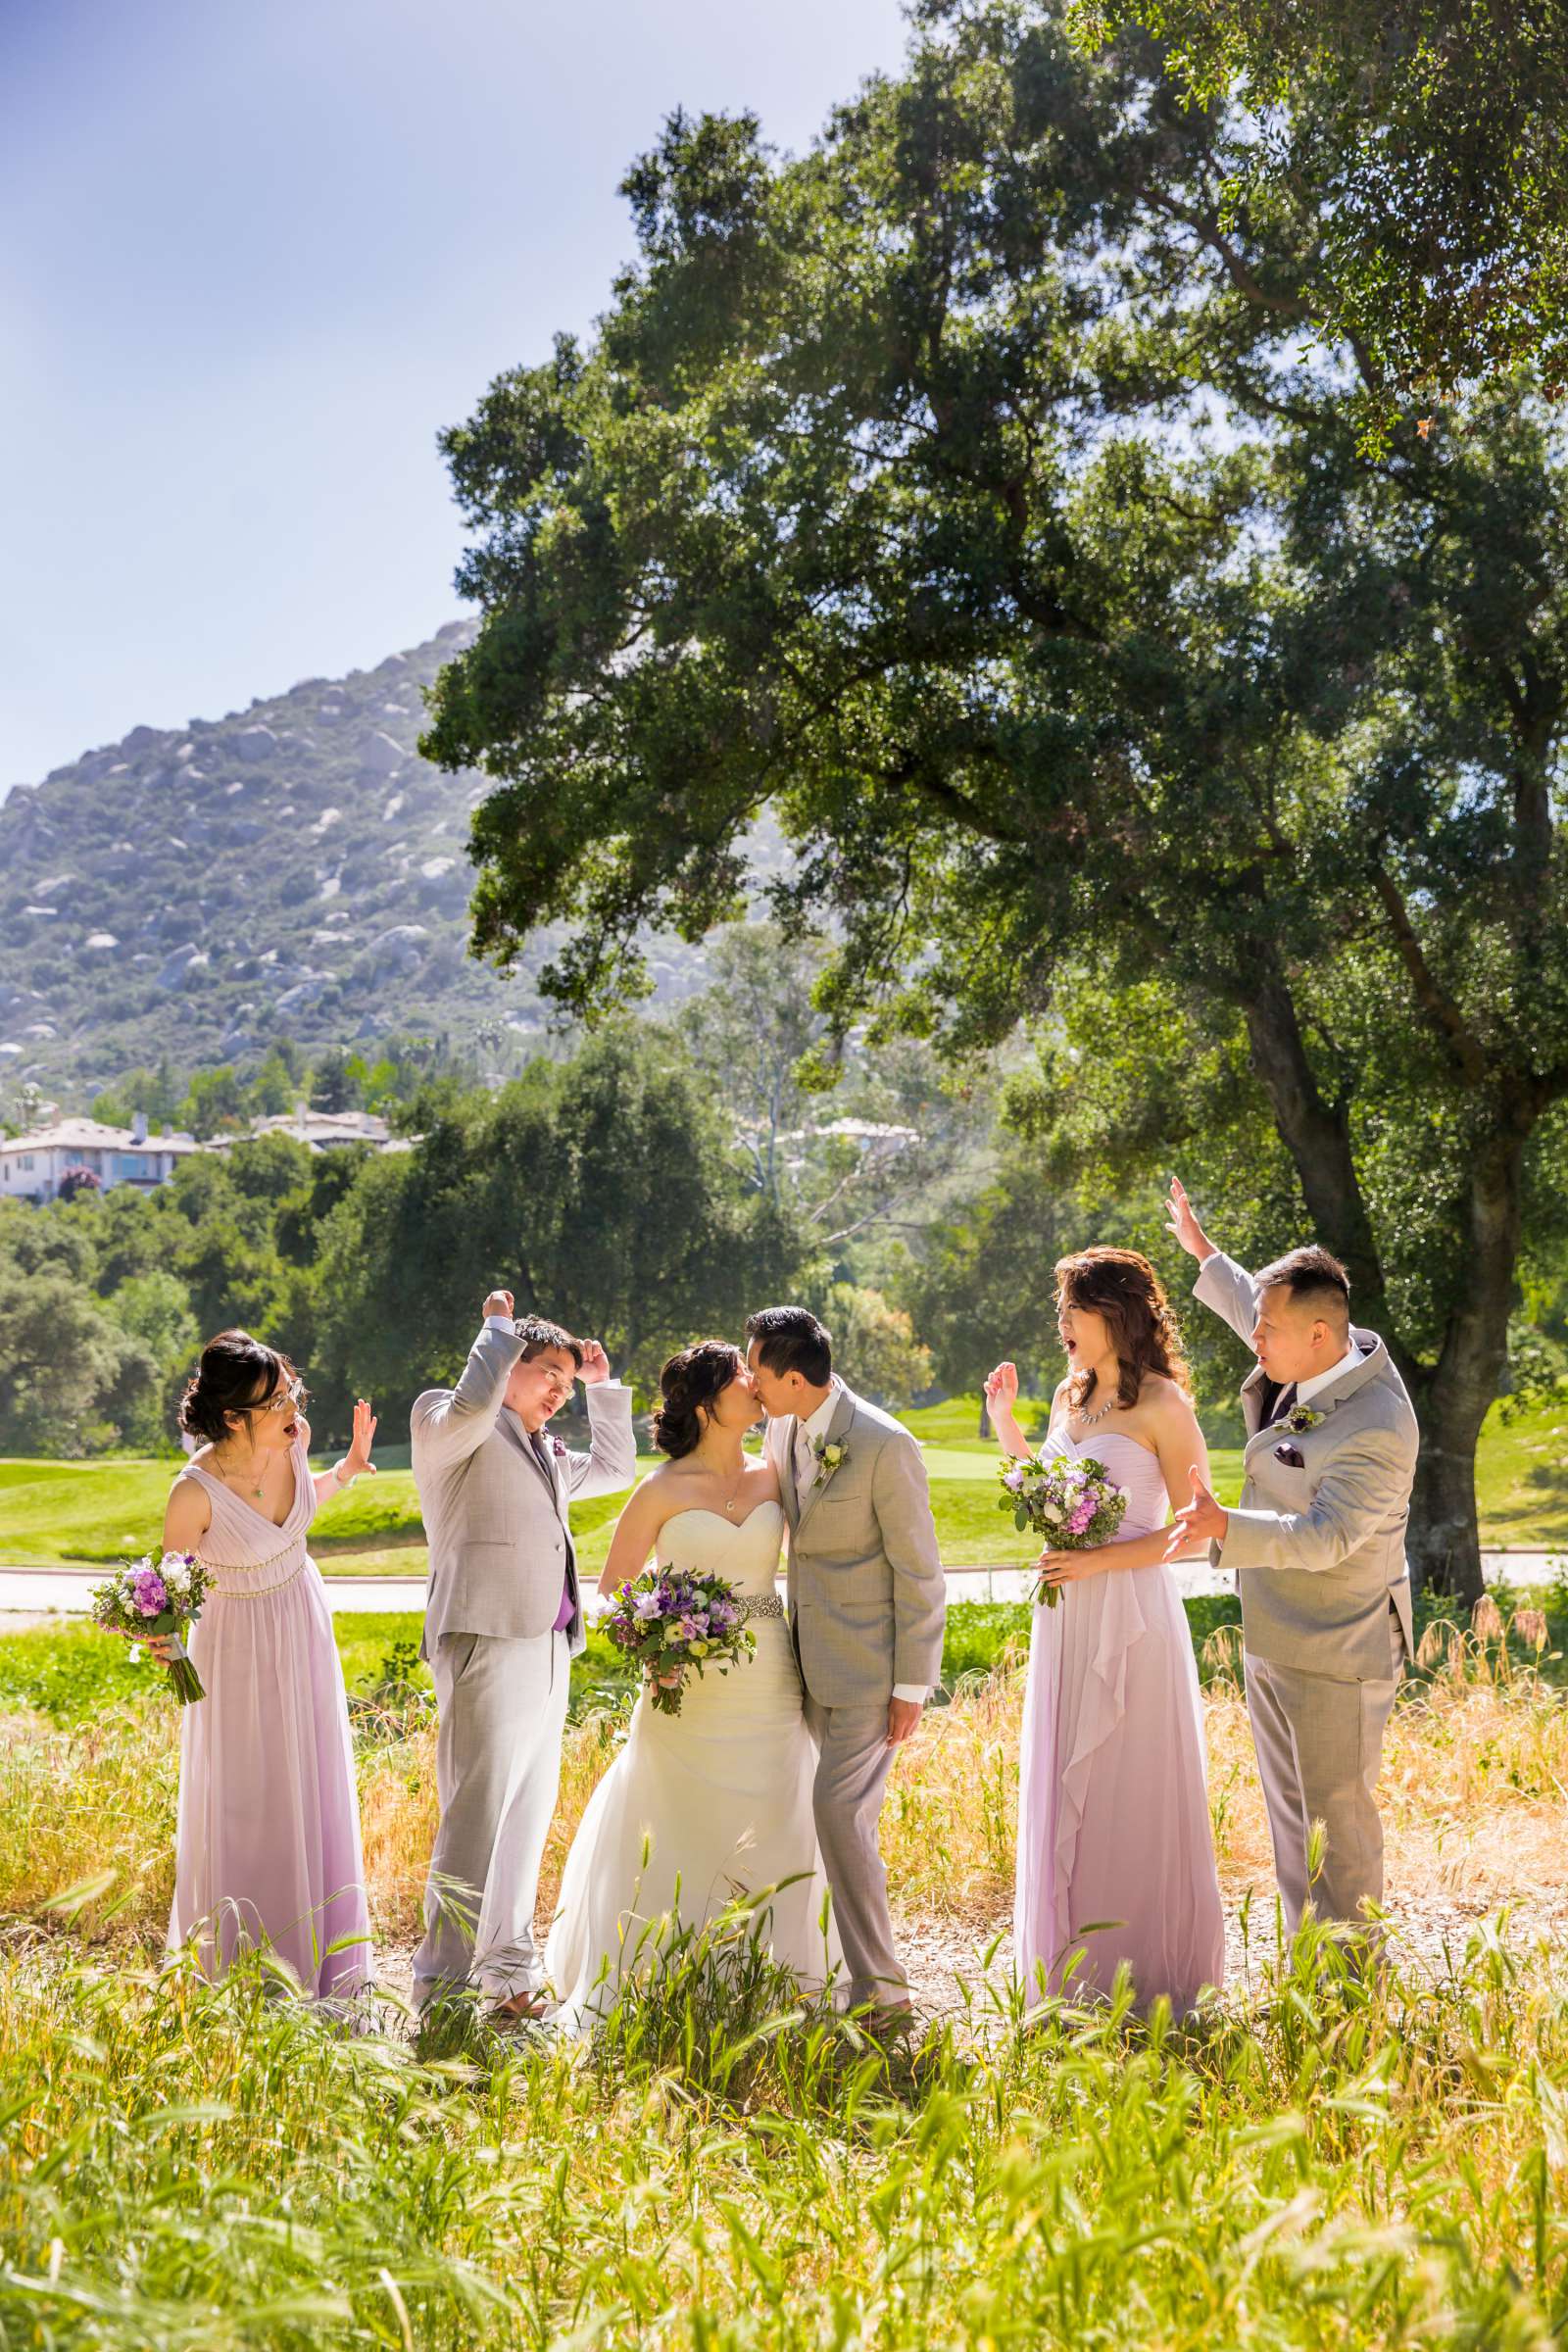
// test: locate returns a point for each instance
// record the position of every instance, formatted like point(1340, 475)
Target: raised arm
point(611, 1461)
point(1222, 1284)
point(448, 1424)
point(355, 1463)
point(1002, 1403)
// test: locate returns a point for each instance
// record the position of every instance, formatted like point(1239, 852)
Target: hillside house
point(33, 1165)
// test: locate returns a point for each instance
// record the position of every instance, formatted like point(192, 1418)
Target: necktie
point(568, 1598)
point(805, 1464)
point(1284, 1404)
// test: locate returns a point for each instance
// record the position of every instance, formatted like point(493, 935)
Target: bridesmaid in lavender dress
point(1116, 1851)
point(268, 1839)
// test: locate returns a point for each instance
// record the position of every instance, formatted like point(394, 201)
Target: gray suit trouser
point(1319, 1745)
point(496, 1774)
point(854, 1761)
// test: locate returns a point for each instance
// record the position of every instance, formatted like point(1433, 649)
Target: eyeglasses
point(287, 1398)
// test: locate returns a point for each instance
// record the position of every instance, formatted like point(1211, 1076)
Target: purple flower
point(150, 1595)
point(1082, 1515)
point(557, 1446)
point(1013, 1478)
point(646, 1605)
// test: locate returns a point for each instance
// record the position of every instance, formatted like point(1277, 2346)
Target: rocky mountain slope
point(292, 869)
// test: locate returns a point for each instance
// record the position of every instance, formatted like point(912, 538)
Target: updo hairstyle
point(235, 1375)
point(691, 1380)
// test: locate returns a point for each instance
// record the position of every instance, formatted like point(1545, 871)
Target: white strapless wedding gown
point(718, 1798)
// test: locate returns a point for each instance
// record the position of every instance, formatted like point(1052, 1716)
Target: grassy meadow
point(1318, 2160)
point(57, 1514)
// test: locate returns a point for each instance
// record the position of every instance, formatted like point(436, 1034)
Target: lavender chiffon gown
point(1115, 1850)
point(269, 1841)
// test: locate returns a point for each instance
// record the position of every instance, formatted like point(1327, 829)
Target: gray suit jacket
point(1319, 1549)
point(866, 1589)
point(500, 1545)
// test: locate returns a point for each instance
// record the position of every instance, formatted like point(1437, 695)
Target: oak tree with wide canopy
point(960, 492)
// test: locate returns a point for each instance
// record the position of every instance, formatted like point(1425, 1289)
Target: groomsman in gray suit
point(867, 1612)
point(501, 1623)
point(1317, 1544)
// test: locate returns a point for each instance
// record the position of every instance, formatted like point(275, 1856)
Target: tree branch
point(1464, 1050)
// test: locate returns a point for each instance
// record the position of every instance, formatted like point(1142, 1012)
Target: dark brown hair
point(696, 1377)
point(537, 1335)
point(1313, 1274)
point(1122, 1285)
point(790, 1338)
point(235, 1375)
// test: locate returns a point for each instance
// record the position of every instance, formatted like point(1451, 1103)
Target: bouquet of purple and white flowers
point(1069, 1499)
point(672, 1622)
point(140, 1599)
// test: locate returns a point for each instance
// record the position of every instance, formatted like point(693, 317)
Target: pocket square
point(1289, 1456)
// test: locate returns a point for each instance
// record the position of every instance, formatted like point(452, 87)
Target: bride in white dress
point(717, 1798)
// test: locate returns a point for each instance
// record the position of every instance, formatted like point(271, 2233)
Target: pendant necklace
point(249, 1490)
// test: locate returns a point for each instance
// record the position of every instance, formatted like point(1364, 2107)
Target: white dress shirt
point(1307, 1390)
point(806, 1465)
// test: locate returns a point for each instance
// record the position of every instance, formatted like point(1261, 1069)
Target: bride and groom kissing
point(769, 1780)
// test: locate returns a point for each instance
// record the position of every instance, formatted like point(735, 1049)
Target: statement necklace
point(1089, 1419)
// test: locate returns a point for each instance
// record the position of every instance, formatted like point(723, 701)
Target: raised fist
point(1002, 1389)
point(595, 1364)
point(499, 1302)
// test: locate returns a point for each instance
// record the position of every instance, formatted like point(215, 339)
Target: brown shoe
point(523, 2008)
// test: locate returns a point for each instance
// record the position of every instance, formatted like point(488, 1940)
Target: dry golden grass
point(1474, 1794)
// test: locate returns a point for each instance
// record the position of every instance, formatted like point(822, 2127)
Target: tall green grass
point(1348, 2163)
point(1327, 2157)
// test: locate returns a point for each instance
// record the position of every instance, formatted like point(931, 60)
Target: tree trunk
point(1445, 1539)
point(1317, 1136)
point(984, 1417)
point(1451, 1397)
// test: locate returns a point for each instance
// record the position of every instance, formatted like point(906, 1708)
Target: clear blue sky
point(256, 251)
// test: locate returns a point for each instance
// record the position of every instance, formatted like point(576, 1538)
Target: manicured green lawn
point(89, 1512)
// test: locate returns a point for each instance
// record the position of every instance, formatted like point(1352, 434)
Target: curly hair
point(1122, 1285)
point(694, 1378)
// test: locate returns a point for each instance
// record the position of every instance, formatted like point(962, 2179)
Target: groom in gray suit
point(1318, 1548)
point(501, 1623)
point(867, 1612)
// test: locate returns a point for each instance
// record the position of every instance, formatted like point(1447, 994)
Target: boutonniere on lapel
point(1299, 1419)
point(831, 1454)
point(558, 1447)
